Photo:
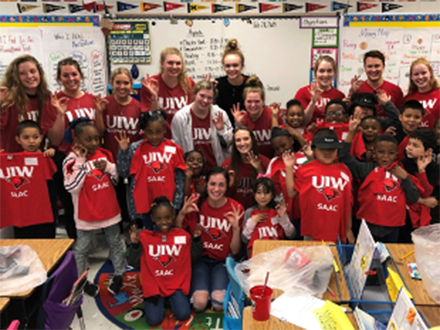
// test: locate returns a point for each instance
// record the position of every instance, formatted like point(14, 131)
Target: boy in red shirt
point(27, 184)
point(324, 188)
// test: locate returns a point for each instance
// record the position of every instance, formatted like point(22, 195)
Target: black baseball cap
point(326, 139)
point(366, 100)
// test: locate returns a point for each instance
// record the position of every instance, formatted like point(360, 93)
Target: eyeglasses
point(335, 113)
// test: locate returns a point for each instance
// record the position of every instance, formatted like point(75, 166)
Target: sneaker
point(115, 284)
point(91, 289)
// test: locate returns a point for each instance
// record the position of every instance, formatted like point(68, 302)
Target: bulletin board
point(277, 50)
point(52, 39)
point(401, 38)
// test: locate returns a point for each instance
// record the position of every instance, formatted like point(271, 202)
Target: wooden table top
point(50, 251)
point(4, 301)
point(431, 314)
point(261, 246)
point(416, 287)
point(275, 323)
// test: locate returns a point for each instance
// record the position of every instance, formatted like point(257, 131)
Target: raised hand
point(254, 160)
point(257, 218)
point(219, 122)
point(315, 92)
point(391, 130)
point(79, 150)
point(123, 140)
point(381, 96)
point(60, 103)
point(134, 236)
point(311, 127)
point(234, 216)
point(275, 107)
point(289, 159)
point(353, 124)
point(355, 84)
point(152, 85)
point(237, 113)
point(190, 205)
point(100, 165)
point(423, 161)
point(307, 150)
point(281, 209)
point(100, 103)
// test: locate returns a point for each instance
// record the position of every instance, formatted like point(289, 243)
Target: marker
point(331, 292)
point(407, 255)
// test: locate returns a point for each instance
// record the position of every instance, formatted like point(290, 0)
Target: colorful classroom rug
point(126, 309)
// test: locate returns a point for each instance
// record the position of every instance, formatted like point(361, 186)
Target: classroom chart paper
point(405, 316)
point(84, 44)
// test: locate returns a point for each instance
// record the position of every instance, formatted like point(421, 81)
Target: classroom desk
point(50, 252)
point(261, 246)
point(416, 287)
point(275, 323)
point(431, 314)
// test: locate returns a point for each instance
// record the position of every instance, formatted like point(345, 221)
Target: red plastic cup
point(261, 302)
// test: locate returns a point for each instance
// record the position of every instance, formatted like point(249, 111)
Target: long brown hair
point(183, 78)
point(16, 94)
point(433, 82)
point(236, 160)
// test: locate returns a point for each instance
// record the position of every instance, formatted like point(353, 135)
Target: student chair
point(54, 314)
point(235, 299)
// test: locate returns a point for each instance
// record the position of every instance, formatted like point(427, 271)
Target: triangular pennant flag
point(167, 6)
point(88, 5)
point(193, 7)
point(22, 8)
point(389, 6)
point(290, 7)
point(148, 6)
point(239, 8)
point(266, 7)
point(313, 6)
point(218, 8)
point(339, 6)
point(75, 8)
point(48, 8)
point(361, 6)
point(125, 6)
point(100, 7)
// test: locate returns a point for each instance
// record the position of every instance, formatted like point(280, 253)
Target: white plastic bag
point(307, 268)
point(427, 248)
point(20, 269)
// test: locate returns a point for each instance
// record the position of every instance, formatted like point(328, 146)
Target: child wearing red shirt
point(266, 219)
point(221, 219)
point(324, 188)
point(195, 173)
point(164, 256)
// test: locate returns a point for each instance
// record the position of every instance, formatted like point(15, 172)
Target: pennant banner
point(313, 6)
point(124, 6)
point(48, 8)
point(339, 6)
point(148, 6)
point(389, 6)
point(361, 6)
point(88, 5)
point(100, 7)
point(218, 8)
point(192, 7)
point(240, 8)
point(266, 7)
point(75, 8)
point(22, 8)
point(290, 7)
point(167, 6)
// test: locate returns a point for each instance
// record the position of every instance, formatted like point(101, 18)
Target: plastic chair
point(53, 314)
point(235, 299)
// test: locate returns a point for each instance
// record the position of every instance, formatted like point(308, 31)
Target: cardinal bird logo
point(214, 233)
point(157, 167)
point(165, 260)
point(330, 193)
point(17, 181)
point(390, 184)
point(97, 174)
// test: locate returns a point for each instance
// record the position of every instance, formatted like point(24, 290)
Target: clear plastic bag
point(427, 248)
point(307, 268)
point(20, 269)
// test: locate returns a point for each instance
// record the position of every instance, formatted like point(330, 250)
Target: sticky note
point(394, 283)
point(332, 316)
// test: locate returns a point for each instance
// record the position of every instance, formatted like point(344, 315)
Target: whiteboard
point(401, 46)
point(48, 45)
point(276, 50)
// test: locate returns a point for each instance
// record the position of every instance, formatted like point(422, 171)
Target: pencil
point(407, 255)
point(331, 292)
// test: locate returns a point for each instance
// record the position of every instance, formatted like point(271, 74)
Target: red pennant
point(361, 6)
point(89, 5)
point(266, 7)
point(313, 7)
point(167, 6)
point(100, 7)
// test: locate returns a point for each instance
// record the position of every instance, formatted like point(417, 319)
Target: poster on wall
point(130, 43)
point(325, 38)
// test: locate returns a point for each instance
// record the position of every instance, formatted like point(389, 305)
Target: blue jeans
point(179, 305)
point(114, 241)
point(209, 275)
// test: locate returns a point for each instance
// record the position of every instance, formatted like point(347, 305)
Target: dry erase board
point(276, 50)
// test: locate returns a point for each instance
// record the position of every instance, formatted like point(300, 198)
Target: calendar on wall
point(129, 42)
